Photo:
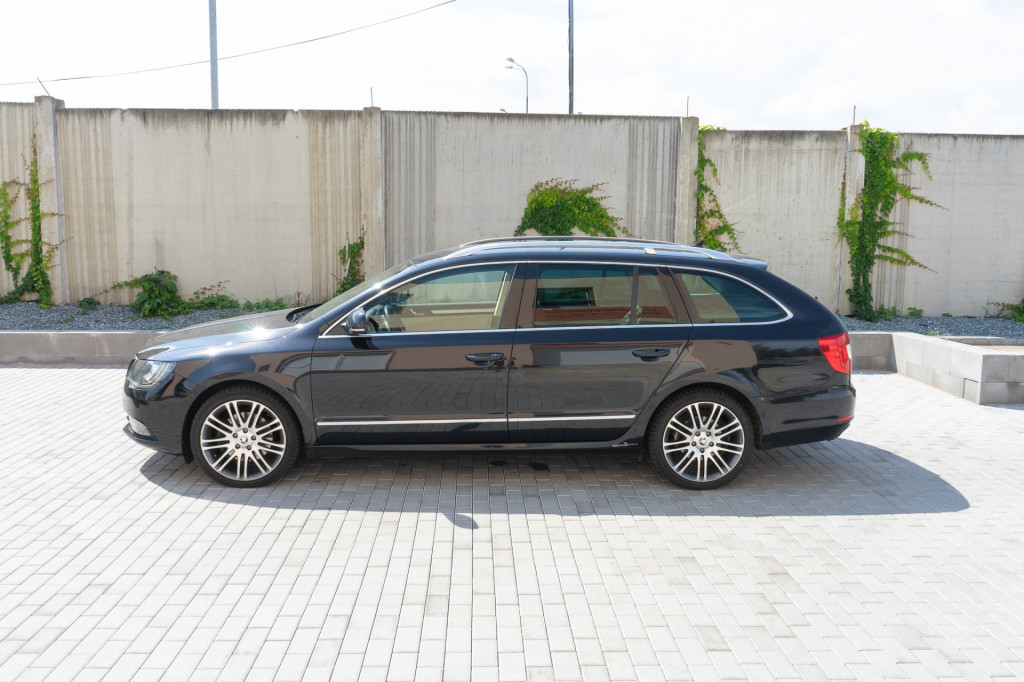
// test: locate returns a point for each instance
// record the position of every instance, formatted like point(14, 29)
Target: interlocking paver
point(892, 553)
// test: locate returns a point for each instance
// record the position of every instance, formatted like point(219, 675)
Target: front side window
point(720, 299)
point(453, 300)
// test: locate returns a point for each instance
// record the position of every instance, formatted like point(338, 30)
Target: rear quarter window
point(720, 299)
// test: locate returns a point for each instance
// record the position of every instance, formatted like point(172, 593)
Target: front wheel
point(700, 439)
point(245, 437)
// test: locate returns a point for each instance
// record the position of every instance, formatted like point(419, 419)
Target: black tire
point(251, 438)
point(700, 439)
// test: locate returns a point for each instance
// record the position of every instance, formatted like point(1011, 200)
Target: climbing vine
point(13, 260)
point(712, 229)
point(351, 256)
point(555, 207)
point(866, 223)
point(39, 254)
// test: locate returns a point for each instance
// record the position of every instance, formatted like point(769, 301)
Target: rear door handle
point(485, 359)
point(650, 354)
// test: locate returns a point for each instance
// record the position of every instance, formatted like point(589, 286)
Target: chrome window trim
point(789, 313)
point(521, 329)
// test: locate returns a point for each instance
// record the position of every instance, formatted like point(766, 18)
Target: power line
point(233, 56)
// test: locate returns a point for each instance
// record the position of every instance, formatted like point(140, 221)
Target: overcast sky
point(953, 66)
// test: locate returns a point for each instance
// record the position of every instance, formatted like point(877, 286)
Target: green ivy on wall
point(555, 207)
point(867, 220)
point(39, 253)
point(711, 226)
point(351, 256)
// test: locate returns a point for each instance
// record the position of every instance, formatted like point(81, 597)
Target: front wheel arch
point(248, 428)
point(200, 398)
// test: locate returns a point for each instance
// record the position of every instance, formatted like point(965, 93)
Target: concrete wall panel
point(973, 244)
point(451, 178)
point(261, 200)
point(781, 191)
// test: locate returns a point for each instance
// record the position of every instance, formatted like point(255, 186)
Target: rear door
point(595, 340)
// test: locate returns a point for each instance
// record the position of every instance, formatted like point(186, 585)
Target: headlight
point(149, 373)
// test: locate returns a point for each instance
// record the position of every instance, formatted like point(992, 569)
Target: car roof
point(588, 248)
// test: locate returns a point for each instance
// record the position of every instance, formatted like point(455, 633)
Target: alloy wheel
point(703, 441)
point(243, 440)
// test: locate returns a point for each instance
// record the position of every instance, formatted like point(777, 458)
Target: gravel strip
point(941, 326)
point(30, 316)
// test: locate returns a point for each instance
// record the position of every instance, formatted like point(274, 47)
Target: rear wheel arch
point(744, 400)
point(700, 437)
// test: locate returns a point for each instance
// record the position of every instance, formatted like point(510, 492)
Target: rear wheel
point(245, 437)
point(700, 439)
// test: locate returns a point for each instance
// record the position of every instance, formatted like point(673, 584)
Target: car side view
point(696, 356)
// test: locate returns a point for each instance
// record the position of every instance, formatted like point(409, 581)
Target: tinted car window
point(454, 300)
point(716, 298)
point(652, 306)
point(583, 295)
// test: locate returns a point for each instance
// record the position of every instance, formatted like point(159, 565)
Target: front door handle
point(485, 359)
point(650, 354)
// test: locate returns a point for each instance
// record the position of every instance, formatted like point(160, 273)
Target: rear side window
point(652, 306)
point(720, 299)
point(599, 295)
point(583, 295)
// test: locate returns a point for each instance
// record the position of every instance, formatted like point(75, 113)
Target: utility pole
point(214, 98)
point(570, 57)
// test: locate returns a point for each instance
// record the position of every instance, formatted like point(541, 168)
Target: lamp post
point(514, 65)
point(214, 94)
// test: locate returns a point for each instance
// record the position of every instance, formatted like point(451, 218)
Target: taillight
point(837, 351)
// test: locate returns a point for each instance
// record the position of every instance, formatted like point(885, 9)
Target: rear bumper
point(810, 418)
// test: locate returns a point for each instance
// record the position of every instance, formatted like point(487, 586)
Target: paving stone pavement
point(895, 552)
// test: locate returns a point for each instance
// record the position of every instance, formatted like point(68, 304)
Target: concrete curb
point(71, 347)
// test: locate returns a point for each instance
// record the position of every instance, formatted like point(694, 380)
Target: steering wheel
point(379, 317)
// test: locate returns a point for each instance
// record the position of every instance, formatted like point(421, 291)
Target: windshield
point(345, 296)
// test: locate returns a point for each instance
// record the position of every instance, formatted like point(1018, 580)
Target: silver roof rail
point(564, 238)
point(649, 246)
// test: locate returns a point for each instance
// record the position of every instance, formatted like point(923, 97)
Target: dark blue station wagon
point(696, 356)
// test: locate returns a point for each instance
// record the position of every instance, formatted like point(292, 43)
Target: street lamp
point(514, 65)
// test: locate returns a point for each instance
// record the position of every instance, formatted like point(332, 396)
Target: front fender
point(284, 374)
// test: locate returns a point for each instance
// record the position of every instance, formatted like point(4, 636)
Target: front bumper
point(162, 413)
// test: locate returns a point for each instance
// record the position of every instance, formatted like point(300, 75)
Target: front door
point(432, 366)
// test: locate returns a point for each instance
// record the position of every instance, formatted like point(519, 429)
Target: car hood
point(213, 337)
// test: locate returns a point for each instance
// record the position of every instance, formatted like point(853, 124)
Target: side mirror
point(356, 322)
